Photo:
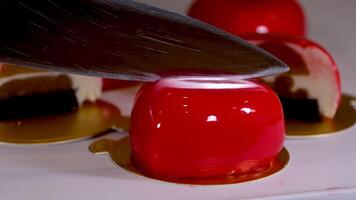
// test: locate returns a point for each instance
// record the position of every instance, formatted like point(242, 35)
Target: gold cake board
point(90, 120)
point(120, 153)
point(344, 118)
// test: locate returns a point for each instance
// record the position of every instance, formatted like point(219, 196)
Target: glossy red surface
point(111, 84)
point(185, 128)
point(250, 16)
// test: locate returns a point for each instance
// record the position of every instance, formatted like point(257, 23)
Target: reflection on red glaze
point(196, 128)
point(250, 16)
point(111, 84)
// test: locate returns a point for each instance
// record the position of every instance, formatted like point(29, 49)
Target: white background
point(320, 169)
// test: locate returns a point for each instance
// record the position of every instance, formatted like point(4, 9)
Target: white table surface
point(320, 169)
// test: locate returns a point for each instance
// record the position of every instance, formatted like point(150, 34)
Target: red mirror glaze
point(199, 128)
point(252, 16)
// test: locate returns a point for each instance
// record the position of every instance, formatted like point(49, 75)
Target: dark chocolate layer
point(21, 107)
point(300, 109)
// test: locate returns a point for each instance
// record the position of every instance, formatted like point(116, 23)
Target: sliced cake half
point(28, 93)
point(311, 89)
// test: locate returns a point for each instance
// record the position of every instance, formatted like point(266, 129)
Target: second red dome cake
point(252, 16)
point(185, 128)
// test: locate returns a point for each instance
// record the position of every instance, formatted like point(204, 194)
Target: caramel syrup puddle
point(120, 153)
point(90, 120)
point(344, 118)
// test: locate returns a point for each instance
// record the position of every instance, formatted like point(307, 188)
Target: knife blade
point(123, 39)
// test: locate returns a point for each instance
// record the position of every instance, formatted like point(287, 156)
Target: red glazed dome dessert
point(312, 88)
point(185, 128)
point(252, 16)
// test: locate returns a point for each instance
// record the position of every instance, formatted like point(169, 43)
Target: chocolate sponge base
point(21, 107)
point(301, 109)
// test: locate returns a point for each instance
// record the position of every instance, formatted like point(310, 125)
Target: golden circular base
point(120, 153)
point(88, 121)
point(344, 118)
